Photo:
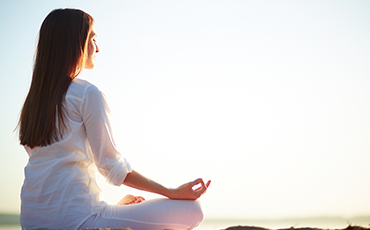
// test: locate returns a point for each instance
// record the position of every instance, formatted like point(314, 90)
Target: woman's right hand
point(183, 192)
point(186, 191)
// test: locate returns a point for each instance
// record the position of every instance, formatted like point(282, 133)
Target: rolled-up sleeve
point(96, 115)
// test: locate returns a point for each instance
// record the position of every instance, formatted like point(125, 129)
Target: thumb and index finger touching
point(203, 186)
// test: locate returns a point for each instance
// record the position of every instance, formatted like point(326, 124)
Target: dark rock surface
point(292, 228)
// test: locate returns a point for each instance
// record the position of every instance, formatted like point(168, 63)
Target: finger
point(195, 182)
point(207, 185)
point(202, 188)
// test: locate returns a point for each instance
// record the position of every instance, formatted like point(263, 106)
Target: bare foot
point(130, 199)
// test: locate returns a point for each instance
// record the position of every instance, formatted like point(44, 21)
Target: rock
point(291, 228)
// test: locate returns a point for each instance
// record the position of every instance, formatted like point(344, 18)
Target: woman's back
point(60, 188)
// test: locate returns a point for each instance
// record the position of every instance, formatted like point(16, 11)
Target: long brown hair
point(59, 59)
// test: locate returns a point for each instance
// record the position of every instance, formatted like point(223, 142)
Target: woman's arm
point(183, 192)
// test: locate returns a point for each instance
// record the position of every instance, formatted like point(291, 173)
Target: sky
point(268, 99)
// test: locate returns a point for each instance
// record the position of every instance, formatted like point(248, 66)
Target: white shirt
point(60, 189)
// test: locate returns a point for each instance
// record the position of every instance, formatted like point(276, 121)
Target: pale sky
point(268, 99)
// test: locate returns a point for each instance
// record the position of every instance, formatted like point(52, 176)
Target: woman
point(65, 128)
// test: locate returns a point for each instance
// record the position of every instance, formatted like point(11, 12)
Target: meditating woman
point(65, 128)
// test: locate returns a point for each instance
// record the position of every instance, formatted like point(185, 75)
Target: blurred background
point(268, 99)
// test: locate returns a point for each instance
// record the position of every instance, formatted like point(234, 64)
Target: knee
point(199, 210)
point(197, 214)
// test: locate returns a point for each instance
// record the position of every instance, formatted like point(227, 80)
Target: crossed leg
point(149, 215)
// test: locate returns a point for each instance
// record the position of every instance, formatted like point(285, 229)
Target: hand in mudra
point(130, 199)
point(187, 191)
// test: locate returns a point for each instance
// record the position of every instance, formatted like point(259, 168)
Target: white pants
point(149, 215)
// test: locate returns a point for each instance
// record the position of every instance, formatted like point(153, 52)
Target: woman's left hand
point(130, 199)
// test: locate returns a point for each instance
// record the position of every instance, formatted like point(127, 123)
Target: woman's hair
point(58, 60)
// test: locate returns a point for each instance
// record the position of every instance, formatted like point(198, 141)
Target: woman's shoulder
point(79, 87)
point(81, 83)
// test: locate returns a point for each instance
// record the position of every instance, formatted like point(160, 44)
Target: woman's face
point(92, 49)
